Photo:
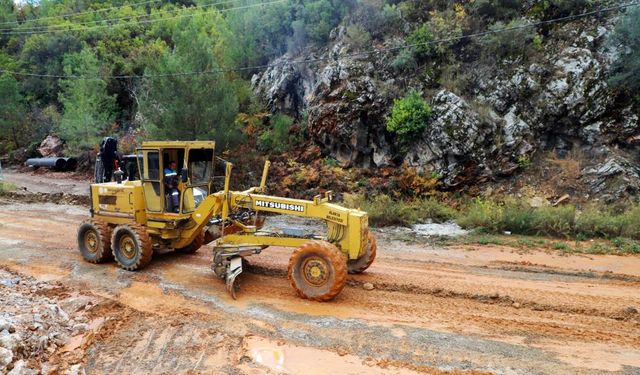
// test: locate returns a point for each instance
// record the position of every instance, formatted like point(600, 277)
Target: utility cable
point(50, 28)
point(140, 22)
point(80, 13)
point(334, 58)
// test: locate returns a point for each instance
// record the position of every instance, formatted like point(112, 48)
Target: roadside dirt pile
point(57, 198)
point(43, 326)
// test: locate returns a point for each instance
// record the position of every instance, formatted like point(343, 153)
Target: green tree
point(321, 16)
point(420, 41)
point(409, 116)
point(260, 34)
point(278, 138)
point(626, 73)
point(199, 106)
point(7, 17)
point(88, 109)
point(12, 109)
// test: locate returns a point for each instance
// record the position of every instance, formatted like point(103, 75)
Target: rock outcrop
point(557, 102)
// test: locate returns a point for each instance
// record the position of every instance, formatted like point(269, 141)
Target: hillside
point(408, 96)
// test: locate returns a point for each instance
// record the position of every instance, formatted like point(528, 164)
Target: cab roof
point(180, 144)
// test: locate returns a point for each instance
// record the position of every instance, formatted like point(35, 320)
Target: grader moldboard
point(131, 219)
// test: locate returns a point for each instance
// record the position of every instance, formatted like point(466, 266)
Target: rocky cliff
point(509, 118)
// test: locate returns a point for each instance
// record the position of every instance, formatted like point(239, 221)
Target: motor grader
point(132, 219)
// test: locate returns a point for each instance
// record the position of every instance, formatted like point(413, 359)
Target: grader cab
point(132, 219)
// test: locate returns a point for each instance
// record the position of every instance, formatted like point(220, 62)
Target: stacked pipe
point(59, 164)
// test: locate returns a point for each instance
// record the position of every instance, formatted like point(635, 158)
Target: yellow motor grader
point(131, 219)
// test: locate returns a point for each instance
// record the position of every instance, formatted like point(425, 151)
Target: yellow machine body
point(144, 202)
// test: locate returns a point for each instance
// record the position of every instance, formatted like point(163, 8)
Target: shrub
point(376, 17)
point(385, 211)
point(409, 116)
point(561, 8)
point(484, 214)
point(382, 210)
point(421, 44)
point(518, 218)
point(404, 61)
point(357, 37)
point(278, 138)
point(497, 10)
point(512, 43)
point(555, 221)
point(434, 209)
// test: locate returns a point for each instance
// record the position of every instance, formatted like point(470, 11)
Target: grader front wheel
point(94, 241)
point(317, 271)
point(132, 247)
point(361, 264)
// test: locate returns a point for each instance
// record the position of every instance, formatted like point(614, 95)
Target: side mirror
point(184, 175)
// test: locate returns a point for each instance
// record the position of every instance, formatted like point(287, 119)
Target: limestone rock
point(52, 146)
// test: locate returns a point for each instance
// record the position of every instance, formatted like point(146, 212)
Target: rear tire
point(132, 247)
point(94, 241)
point(361, 264)
point(317, 271)
point(194, 246)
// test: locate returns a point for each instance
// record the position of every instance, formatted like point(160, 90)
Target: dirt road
point(432, 310)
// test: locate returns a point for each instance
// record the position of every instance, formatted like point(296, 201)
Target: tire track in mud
point(491, 299)
point(528, 267)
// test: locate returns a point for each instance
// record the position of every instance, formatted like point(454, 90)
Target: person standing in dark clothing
point(171, 185)
point(108, 156)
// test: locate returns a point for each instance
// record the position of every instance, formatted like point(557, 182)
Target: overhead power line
point(335, 58)
point(51, 28)
point(81, 13)
point(144, 21)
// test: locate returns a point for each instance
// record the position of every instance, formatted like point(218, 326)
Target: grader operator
point(130, 220)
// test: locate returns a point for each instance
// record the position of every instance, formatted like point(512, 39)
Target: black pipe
point(60, 164)
point(71, 164)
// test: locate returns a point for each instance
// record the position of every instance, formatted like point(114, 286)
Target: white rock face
point(6, 357)
point(10, 341)
point(514, 128)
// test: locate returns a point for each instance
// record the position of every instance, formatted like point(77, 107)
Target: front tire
point(361, 264)
point(317, 271)
point(132, 247)
point(94, 241)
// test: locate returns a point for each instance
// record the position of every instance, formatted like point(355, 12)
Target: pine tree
point(88, 109)
point(11, 109)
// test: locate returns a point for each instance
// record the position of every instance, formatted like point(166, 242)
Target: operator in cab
point(171, 186)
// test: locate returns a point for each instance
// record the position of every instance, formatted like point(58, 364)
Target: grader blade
point(234, 269)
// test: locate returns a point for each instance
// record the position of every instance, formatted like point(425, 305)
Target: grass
point(384, 211)
point(593, 221)
point(613, 230)
point(7, 186)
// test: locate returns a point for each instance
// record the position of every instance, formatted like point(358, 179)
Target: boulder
point(6, 357)
point(21, 368)
point(52, 146)
point(10, 341)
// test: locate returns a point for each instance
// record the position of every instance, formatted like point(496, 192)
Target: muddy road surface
point(419, 309)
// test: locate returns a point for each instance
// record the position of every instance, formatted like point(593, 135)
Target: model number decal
point(281, 206)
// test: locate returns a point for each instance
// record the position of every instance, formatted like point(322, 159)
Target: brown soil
point(481, 309)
